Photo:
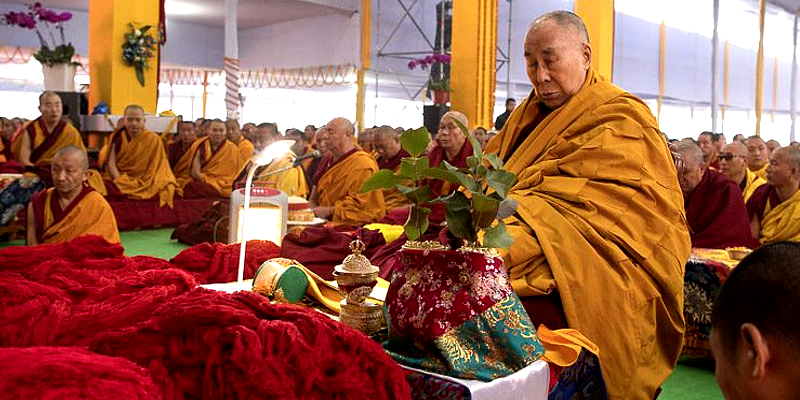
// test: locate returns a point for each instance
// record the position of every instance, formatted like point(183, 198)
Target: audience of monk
point(600, 225)
point(71, 208)
point(714, 206)
point(187, 134)
point(774, 209)
point(337, 195)
point(210, 166)
point(386, 141)
point(136, 166)
point(281, 173)
point(757, 156)
point(755, 337)
point(733, 163)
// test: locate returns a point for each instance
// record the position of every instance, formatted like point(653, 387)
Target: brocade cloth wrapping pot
point(454, 312)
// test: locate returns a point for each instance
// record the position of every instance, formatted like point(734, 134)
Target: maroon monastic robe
point(716, 213)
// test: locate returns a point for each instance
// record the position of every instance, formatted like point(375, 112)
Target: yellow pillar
point(111, 80)
point(762, 9)
point(474, 60)
point(361, 92)
point(599, 18)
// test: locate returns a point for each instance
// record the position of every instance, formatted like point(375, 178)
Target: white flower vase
point(59, 77)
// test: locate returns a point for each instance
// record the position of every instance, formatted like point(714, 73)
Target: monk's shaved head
point(385, 132)
point(792, 155)
point(564, 19)
point(690, 152)
point(134, 107)
point(736, 148)
point(74, 151)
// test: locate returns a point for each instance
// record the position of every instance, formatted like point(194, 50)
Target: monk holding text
point(600, 225)
point(71, 208)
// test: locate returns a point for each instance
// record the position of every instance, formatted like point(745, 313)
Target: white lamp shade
point(266, 217)
point(271, 152)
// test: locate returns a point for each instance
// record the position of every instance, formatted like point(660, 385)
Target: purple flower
point(412, 64)
point(65, 16)
point(430, 59)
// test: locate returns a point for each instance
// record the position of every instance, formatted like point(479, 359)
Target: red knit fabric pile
point(49, 373)
point(194, 343)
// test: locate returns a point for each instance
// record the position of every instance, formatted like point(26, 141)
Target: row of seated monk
point(739, 194)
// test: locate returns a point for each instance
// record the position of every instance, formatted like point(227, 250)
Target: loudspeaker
point(431, 116)
point(75, 105)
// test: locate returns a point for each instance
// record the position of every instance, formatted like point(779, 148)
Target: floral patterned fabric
point(702, 282)
point(455, 313)
point(16, 196)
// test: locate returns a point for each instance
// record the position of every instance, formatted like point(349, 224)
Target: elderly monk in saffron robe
point(757, 156)
point(136, 165)
point(210, 166)
point(43, 137)
point(337, 195)
point(733, 163)
point(600, 220)
point(714, 207)
point(386, 142)
point(71, 208)
point(236, 137)
point(774, 209)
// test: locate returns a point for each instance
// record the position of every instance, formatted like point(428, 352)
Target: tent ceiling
point(792, 6)
point(252, 13)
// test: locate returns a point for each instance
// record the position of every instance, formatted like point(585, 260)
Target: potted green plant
point(438, 83)
point(474, 213)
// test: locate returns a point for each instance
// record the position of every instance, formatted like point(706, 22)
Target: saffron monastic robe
point(716, 214)
point(89, 213)
point(246, 148)
point(143, 167)
point(601, 220)
point(392, 198)
point(762, 172)
point(292, 182)
point(45, 144)
point(340, 187)
point(750, 183)
point(780, 220)
point(219, 168)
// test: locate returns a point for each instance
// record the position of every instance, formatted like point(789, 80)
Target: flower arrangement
point(138, 48)
point(482, 200)
point(44, 22)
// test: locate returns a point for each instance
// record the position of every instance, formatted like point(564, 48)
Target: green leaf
point(140, 75)
point(417, 195)
point(501, 181)
point(497, 237)
point(383, 179)
point(472, 163)
point(440, 173)
point(484, 210)
point(459, 223)
point(495, 161)
point(455, 201)
point(507, 208)
point(417, 222)
point(415, 141)
point(477, 151)
point(464, 179)
point(411, 168)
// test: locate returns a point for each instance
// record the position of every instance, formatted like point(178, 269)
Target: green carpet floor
point(691, 380)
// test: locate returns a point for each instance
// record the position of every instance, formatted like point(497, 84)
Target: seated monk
point(733, 163)
point(183, 142)
point(135, 162)
point(234, 135)
point(714, 207)
point(337, 195)
point(600, 231)
point(386, 142)
point(757, 156)
point(40, 139)
point(210, 166)
point(706, 143)
point(70, 208)
point(300, 148)
point(292, 181)
point(449, 145)
point(774, 209)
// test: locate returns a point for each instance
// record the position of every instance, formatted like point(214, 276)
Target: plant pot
point(440, 96)
point(59, 77)
point(453, 311)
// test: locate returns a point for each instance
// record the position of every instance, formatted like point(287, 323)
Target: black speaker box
point(431, 116)
point(75, 105)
